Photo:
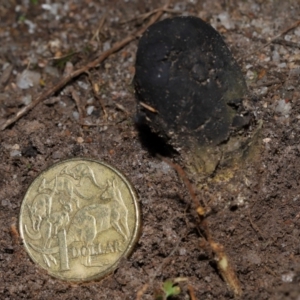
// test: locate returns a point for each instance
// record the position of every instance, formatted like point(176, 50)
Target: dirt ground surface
point(255, 215)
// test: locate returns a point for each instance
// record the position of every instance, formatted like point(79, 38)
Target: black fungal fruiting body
point(185, 72)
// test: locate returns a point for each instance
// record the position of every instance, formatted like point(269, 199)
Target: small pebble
point(15, 147)
point(75, 115)
point(182, 251)
point(90, 100)
point(262, 91)
point(90, 110)
point(31, 26)
point(28, 79)
point(15, 153)
point(267, 140)
point(283, 107)
point(250, 75)
point(275, 56)
point(225, 20)
point(83, 85)
point(80, 140)
point(27, 99)
point(282, 65)
point(106, 46)
point(288, 277)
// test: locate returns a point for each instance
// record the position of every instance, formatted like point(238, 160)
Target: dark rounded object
point(185, 72)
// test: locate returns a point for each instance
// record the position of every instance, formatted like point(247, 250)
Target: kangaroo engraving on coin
point(78, 218)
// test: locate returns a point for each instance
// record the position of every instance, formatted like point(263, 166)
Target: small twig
point(78, 104)
point(148, 107)
point(64, 56)
point(122, 108)
point(65, 80)
point(225, 268)
point(267, 83)
point(283, 42)
point(191, 292)
point(293, 26)
point(223, 263)
point(254, 226)
point(101, 24)
point(95, 92)
point(275, 274)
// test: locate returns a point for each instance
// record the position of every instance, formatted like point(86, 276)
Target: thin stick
point(286, 43)
point(95, 92)
point(192, 292)
point(101, 24)
point(116, 47)
point(223, 263)
point(254, 226)
point(148, 107)
point(293, 26)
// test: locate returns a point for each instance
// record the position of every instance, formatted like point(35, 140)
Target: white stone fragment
point(83, 85)
point(106, 46)
point(275, 56)
point(250, 75)
point(75, 115)
point(53, 8)
point(28, 79)
point(31, 26)
point(297, 31)
point(27, 99)
point(15, 153)
point(90, 110)
point(15, 147)
point(282, 65)
point(288, 37)
point(267, 140)
point(283, 107)
point(289, 277)
point(225, 20)
point(182, 251)
point(262, 91)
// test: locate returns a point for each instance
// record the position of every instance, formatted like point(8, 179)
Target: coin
point(79, 218)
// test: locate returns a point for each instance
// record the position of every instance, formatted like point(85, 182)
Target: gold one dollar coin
point(79, 218)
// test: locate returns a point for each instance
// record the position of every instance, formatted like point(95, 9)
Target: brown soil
point(255, 216)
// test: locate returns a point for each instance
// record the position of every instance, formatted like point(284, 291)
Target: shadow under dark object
point(153, 143)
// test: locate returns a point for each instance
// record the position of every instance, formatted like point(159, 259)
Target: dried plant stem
point(224, 266)
point(192, 293)
point(65, 80)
